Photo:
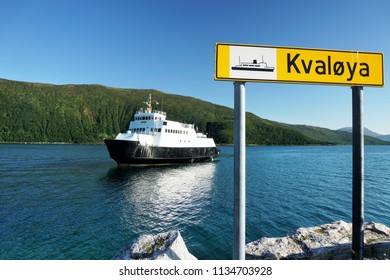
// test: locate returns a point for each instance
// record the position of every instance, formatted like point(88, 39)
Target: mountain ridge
point(368, 132)
point(85, 113)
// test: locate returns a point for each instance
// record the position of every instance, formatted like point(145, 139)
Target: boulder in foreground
point(164, 246)
point(324, 242)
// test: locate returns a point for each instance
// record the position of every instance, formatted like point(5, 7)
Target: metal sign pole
point(239, 172)
point(357, 174)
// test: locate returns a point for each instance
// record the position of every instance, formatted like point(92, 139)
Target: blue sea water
point(72, 202)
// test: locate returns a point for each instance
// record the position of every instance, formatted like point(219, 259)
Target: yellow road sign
point(256, 63)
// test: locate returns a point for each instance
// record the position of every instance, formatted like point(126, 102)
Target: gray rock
point(328, 241)
point(164, 246)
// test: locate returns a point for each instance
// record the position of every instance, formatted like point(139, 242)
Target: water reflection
point(164, 198)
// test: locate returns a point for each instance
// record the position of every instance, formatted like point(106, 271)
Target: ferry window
point(143, 129)
point(165, 123)
point(151, 129)
point(159, 130)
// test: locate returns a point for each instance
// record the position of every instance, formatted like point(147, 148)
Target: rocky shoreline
point(324, 242)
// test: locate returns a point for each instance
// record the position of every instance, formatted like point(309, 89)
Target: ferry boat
point(152, 139)
point(253, 66)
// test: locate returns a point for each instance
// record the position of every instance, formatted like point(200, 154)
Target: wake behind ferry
point(152, 139)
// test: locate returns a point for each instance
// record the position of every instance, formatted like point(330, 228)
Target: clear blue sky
point(169, 46)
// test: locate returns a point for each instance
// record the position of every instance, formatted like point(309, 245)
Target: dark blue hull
point(132, 152)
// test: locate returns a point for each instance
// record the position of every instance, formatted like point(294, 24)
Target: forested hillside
point(34, 112)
